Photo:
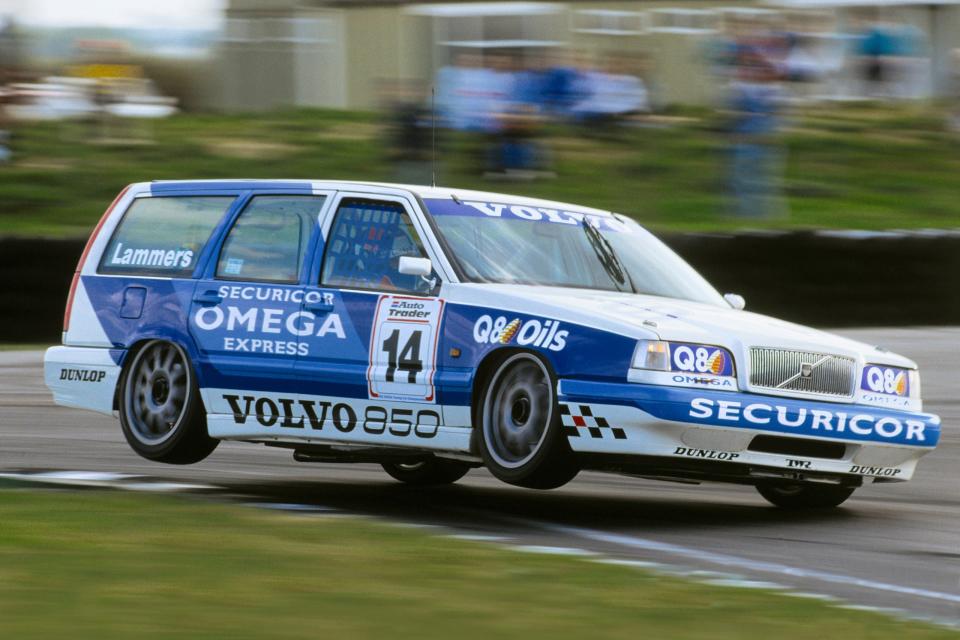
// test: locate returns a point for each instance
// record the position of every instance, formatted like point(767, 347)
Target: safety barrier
point(825, 279)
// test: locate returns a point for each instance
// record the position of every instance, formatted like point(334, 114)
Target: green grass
point(101, 566)
point(851, 166)
point(11, 346)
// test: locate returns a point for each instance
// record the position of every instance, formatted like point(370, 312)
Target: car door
point(376, 381)
point(246, 315)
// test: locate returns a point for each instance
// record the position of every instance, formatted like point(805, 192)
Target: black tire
point(161, 412)
point(520, 437)
point(432, 470)
point(805, 496)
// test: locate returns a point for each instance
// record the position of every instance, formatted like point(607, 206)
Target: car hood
point(651, 317)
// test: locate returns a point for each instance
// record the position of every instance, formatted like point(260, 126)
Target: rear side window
point(163, 236)
point(269, 240)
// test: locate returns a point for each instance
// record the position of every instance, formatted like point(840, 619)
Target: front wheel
point(805, 496)
point(521, 442)
point(161, 412)
point(427, 472)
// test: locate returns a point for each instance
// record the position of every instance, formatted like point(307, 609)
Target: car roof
point(421, 191)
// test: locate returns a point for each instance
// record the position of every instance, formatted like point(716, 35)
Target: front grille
point(780, 370)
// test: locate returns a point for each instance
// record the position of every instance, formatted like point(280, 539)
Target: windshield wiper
point(608, 257)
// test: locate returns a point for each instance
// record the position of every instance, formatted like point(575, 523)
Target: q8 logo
point(886, 380)
point(697, 359)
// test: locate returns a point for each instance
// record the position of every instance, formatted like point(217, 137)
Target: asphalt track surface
point(891, 545)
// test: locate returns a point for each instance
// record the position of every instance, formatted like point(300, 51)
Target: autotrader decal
point(403, 348)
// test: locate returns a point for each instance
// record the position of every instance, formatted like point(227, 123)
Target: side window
point(163, 236)
point(269, 240)
point(366, 242)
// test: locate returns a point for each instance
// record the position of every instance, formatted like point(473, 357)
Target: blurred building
point(336, 53)
point(934, 25)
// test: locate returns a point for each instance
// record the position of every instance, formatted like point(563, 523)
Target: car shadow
point(505, 508)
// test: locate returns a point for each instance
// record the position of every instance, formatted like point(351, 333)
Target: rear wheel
point(425, 472)
point(805, 496)
point(161, 412)
point(520, 438)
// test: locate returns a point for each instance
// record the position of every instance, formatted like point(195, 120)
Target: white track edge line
point(745, 563)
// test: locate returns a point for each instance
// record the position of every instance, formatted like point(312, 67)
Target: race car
point(432, 330)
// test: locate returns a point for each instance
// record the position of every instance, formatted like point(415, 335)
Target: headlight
point(652, 354)
point(684, 357)
point(895, 382)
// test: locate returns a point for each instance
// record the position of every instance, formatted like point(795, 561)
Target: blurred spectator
point(724, 52)
point(561, 85)
point(5, 154)
point(470, 95)
point(755, 101)
point(892, 60)
point(802, 62)
point(6, 97)
point(494, 92)
point(514, 151)
point(876, 49)
point(410, 131)
point(612, 95)
point(456, 98)
point(499, 104)
point(530, 85)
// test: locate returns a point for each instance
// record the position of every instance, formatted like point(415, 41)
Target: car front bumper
point(756, 432)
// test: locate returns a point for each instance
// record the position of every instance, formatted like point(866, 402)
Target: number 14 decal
point(409, 361)
point(403, 348)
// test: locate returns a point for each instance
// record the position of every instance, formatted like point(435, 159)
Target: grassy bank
point(96, 565)
point(861, 166)
point(27, 346)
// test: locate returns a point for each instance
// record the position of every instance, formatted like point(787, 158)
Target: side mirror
point(421, 267)
point(735, 300)
point(410, 266)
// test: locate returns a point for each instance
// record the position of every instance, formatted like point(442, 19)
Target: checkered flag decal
point(578, 420)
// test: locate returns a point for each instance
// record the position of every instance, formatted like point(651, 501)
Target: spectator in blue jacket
point(755, 103)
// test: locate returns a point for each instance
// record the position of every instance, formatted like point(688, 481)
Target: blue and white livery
point(432, 330)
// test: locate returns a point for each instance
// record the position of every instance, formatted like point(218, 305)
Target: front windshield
point(516, 244)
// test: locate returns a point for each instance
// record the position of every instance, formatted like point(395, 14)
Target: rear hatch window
point(163, 236)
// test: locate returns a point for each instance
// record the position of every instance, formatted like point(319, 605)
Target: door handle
point(208, 298)
point(318, 307)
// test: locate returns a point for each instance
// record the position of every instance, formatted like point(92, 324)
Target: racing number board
point(403, 348)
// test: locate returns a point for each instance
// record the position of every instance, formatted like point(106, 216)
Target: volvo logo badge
point(805, 373)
